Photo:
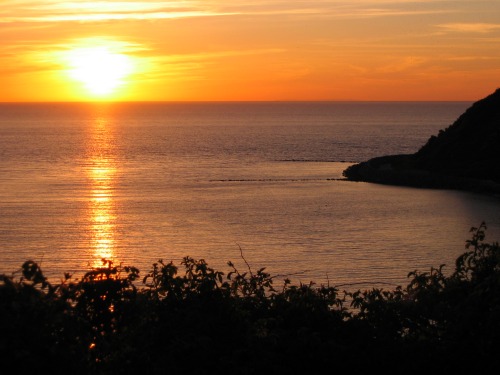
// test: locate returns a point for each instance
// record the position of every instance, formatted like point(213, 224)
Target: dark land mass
point(464, 156)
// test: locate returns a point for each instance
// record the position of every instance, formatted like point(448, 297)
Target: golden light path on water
point(102, 176)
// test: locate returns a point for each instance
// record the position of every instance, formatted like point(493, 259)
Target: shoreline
point(402, 170)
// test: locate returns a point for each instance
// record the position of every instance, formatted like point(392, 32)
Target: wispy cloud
point(91, 11)
point(49, 56)
point(328, 8)
point(404, 64)
point(171, 65)
point(482, 28)
point(99, 11)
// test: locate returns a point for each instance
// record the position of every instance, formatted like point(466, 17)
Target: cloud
point(473, 58)
point(333, 9)
point(482, 28)
point(100, 11)
point(404, 64)
point(195, 62)
point(28, 56)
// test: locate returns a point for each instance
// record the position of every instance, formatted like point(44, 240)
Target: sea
point(259, 184)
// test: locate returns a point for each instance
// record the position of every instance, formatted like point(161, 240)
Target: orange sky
point(249, 50)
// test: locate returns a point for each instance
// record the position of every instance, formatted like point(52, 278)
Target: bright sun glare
point(101, 70)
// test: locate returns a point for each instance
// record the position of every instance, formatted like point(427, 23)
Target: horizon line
point(231, 101)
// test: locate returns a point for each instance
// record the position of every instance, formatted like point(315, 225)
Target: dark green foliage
point(453, 321)
point(194, 319)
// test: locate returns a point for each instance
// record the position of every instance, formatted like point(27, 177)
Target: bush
point(203, 321)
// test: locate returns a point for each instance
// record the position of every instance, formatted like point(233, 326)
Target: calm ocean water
point(146, 181)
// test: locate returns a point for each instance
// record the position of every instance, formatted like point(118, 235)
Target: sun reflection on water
point(102, 176)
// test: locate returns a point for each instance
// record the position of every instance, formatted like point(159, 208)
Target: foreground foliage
point(199, 320)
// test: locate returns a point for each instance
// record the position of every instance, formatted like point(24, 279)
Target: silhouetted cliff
point(465, 156)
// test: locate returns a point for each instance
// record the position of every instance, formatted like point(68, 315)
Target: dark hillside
point(465, 156)
point(471, 146)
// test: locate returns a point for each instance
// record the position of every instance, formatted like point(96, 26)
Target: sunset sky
point(208, 50)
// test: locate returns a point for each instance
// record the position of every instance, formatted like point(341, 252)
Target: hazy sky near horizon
point(249, 50)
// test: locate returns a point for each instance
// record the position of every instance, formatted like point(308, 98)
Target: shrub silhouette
point(194, 319)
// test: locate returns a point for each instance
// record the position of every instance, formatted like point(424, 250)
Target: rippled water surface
point(140, 182)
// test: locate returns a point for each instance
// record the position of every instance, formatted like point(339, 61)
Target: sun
point(101, 70)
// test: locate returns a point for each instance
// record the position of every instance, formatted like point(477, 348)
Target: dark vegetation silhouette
point(193, 319)
point(463, 156)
